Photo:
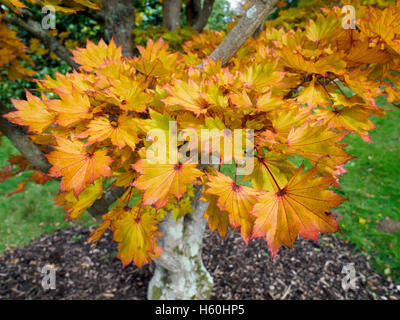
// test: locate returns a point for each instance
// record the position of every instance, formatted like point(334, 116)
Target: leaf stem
point(235, 171)
point(269, 170)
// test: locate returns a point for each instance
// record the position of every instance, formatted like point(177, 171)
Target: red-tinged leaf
point(318, 144)
point(122, 131)
point(187, 96)
point(299, 208)
point(97, 55)
point(71, 108)
point(349, 118)
point(236, 200)
point(20, 188)
point(160, 181)
point(97, 234)
point(77, 166)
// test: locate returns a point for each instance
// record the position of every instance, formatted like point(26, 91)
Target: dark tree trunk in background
point(171, 14)
point(119, 21)
point(196, 15)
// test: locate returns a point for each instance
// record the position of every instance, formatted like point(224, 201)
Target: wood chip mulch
point(311, 270)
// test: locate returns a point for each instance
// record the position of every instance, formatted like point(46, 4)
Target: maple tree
point(300, 90)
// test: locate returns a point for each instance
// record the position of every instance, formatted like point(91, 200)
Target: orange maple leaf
point(236, 200)
point(217, 219)
point(187, 96)
point(299, 208)
point(71, 108)
point(160, 181)
point(77, 166)
point(350, 118)
point(313, 94)
point(129, 94)
point(122, 131)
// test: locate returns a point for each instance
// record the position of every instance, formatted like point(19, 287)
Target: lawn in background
point(26, 215)
point(372, 185)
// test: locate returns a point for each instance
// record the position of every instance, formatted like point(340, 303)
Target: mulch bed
point(311, 270)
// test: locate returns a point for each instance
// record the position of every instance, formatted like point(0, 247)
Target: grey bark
point(247, 25)
point(180, 273)
point(171, 14)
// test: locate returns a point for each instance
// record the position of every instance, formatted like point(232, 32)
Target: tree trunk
point(171, 14)
point(119, 19)
point(197, 16)
point(180, 273)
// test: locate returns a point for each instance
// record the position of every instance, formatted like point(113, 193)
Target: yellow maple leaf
point(236, 200)
point(160, 181)
point(136, 234)
point(32, 113)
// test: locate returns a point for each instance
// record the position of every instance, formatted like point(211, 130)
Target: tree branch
point(35, 29)
point(100, 206)
point(22, 142)
point(247, 25)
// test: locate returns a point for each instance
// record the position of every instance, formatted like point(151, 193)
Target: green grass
point(26, 215)
point(372, 186)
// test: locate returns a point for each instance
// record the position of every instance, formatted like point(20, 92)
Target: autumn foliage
point(301, 91)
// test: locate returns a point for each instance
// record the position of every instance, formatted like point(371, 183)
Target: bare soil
point(311, 270)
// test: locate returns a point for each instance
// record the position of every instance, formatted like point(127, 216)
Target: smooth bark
point(171, 14)
point(247, 25)
point(180, 273)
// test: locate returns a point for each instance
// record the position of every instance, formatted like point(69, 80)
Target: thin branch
point(35, 29)
point(247, 25)
point(100, 206)
point(95, 15)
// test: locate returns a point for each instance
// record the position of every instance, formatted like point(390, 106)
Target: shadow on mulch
point(311, 270)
